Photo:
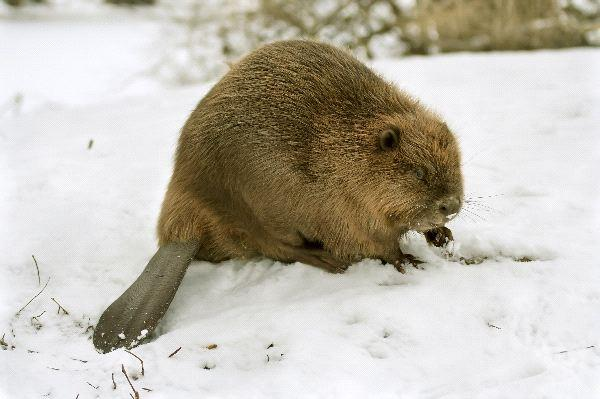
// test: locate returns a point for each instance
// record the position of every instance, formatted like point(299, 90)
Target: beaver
point(299, 153)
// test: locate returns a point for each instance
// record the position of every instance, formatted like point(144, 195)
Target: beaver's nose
point(449, 205)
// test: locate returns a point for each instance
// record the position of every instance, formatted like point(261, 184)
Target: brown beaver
point(299, 153)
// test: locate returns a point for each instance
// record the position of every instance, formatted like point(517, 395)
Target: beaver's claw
point(406, 259)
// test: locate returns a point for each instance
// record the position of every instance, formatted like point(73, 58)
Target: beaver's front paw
point(439, 236)
point(406, 259)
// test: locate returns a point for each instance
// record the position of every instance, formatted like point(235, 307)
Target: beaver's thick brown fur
point(302, 153)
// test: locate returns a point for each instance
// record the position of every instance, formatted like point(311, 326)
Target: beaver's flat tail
point(131, 318)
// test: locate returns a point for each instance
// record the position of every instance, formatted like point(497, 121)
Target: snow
point(108, 59)
point(481, 322)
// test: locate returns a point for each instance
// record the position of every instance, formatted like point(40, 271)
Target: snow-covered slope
point(528, 124)
point(53, 56)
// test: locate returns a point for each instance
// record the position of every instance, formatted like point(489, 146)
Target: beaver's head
point(415, 163)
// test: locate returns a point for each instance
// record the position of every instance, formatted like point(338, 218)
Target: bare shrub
point(131, 2)
point(20, 3)
point(192, 46)
point(209, 34)
point(372, 27)
point(482, 25)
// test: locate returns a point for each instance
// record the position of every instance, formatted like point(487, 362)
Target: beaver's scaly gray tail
point(131, 318)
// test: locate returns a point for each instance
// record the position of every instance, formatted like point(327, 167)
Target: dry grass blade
point(35, 296)
point(38, 316)
point(60, 307)
point(138, 358)
point(136, 394)
point(37, 268)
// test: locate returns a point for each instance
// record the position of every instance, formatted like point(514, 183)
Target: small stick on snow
point(35, 296)
point(93, 386)
point(38, 269)
point(40, 315)
point(138, 358)
point(112, 376)
point(60, 307)
point(493, 326)
point(90, 144)
point(136, 394)
point(576, 349)
point(147, 389)
point(174, 353)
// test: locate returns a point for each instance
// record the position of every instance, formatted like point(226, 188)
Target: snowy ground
point(528, 124)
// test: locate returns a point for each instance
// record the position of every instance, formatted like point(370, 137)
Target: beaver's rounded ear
point(389, 139)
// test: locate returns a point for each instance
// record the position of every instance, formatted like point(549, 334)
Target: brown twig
point(136, 394)
point(38, 269)
point(35, 296)
point(174, 353)
point(493, 326)
point(93, 386)
point(576, 349)
point(40, 315)
point(112, 376)
point(138, 358)
point(60, 307)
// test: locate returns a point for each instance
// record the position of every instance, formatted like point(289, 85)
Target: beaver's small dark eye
point(420, 173)
point(388, 139)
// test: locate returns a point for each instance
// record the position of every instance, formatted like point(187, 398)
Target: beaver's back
point(267, 114)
